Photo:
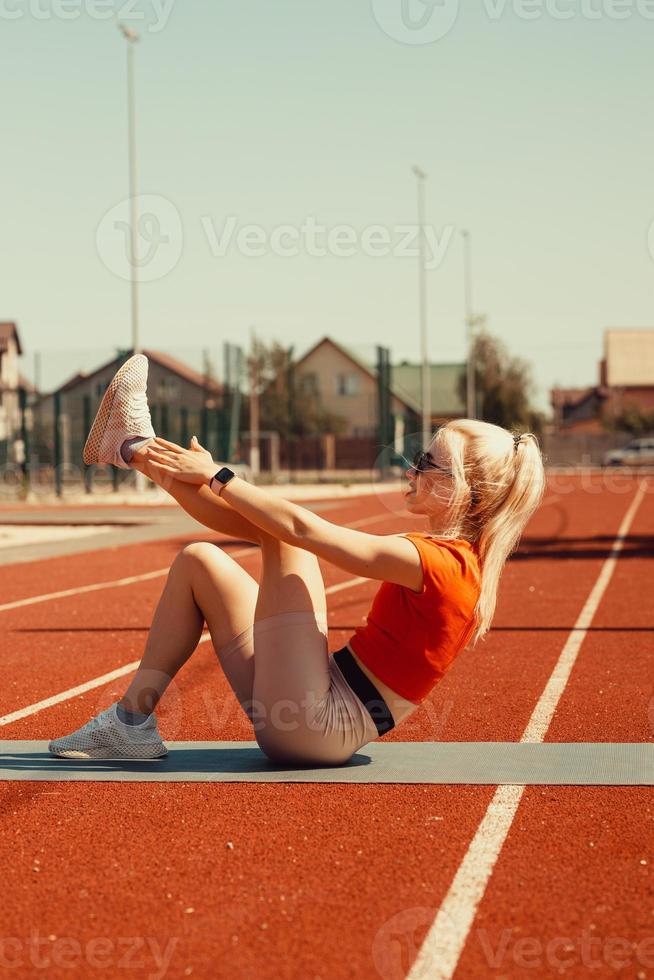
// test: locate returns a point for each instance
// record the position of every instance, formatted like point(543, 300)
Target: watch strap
point(219, 479)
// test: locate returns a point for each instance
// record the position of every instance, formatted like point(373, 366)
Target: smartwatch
point(218, 481)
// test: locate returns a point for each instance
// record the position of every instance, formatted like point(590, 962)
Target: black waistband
point(365, 690)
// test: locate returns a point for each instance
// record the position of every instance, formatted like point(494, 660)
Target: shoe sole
point(81, 757)
point(99, 427)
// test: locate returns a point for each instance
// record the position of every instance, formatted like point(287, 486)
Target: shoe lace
point(97, 721)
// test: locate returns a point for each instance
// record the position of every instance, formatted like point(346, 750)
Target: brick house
point(625, 383)
point(627, 371)
point(11, 384)
point(10, 351)
point(578, 408)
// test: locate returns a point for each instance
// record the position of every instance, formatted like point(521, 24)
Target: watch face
point(224, 475)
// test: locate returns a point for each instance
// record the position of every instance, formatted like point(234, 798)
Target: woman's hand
point(194, 465)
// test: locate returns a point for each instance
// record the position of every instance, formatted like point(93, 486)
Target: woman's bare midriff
point(398, 706)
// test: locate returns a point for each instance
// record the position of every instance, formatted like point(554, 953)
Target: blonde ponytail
point(499, 481)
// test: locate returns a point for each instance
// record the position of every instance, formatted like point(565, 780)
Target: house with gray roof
point(182, 401)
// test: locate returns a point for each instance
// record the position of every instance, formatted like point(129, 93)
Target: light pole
point(471, 408)
point(425, 384)
point(132, 39)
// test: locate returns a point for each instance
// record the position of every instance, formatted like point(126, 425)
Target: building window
point(309, 383)
point(168, 390)
point(348, 384)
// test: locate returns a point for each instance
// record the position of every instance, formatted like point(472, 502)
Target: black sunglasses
point(422, 462)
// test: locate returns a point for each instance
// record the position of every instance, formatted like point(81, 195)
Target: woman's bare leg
point(204, 585)
point(292, 677)
point(201, 503)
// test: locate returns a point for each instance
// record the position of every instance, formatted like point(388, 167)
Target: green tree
point(504, 386)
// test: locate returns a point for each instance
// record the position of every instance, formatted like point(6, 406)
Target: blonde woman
point(477, 485)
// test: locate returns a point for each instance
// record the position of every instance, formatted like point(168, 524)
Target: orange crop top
point(411, 638)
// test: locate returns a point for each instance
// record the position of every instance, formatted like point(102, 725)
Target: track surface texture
point(322, 881)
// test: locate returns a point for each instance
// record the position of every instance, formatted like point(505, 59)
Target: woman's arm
point(389, 558)
point(386, 557)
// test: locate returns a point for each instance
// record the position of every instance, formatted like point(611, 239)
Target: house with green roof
point(344, 378)
point(446, 400)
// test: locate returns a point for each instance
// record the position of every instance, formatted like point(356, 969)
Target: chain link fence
point(370, 425)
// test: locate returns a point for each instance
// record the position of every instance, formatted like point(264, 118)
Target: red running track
point(328, 881)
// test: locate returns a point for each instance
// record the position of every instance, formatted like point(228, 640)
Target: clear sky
point(532, 120)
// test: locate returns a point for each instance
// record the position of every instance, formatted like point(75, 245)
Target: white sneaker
point(107, 737)
point(123, 414)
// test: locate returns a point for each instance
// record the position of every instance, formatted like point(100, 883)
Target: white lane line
point(98, 586)
point(349, 584)
point(131, 580)
point(544, 711)
point(80, 590)
point(72, 692)
point(444, 943)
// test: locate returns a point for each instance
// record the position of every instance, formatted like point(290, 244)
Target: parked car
point(638, 452)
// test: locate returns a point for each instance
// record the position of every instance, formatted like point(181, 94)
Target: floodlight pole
point(471, 408)
point(425, 385)
point(132, 39)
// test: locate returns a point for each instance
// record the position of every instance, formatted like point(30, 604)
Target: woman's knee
point(201, 552)
point(196, 564)
point(199, 557)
